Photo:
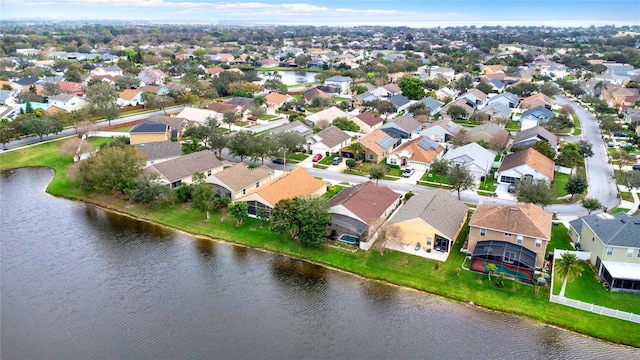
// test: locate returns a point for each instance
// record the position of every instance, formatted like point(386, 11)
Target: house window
point(609, 250)
point(519, 239)
point(372, 157)
point(510, 256)
point(244, 191)
point(209, 173)
point(393, 161)
point(258, 184)
point(507, 234)
point(538, 243)
point(638, 253)
point(429, 240)
point(629, 252)
point(483, 232)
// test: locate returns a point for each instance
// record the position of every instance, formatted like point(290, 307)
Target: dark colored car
point(408, 172)
point(336, 160)
point(279, 161)
point(619, 134)
point(636, 167)
point(511, 188)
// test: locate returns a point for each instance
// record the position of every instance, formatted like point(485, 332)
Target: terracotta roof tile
point(525, 219)
point(531, 157)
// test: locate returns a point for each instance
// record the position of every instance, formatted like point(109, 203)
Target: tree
point(569, 158)
point(412, 87)
point(484, 87)
point(203, 196)
point(537, 192)
point(387, 234)
point(229, 117)
point(463, 83)
point(346, 125)
point(40, 126)
point(576, 185)
point(127, 81)
point(457, 112)
point(557, 123)
point(623, 158)
point(591, 204)
point(161, 102)
point(543, 148)
point(567, 268)
point(382, 107)
point(239, 212)
point(461, 138)
point(460, 178)
point(491, 268)
point(351, 164)
point(240, 144)
point(630, 179)
point(148, 191)
point(288, 141)
point(585, 148)
point(103, 97)
point(305, 219)
point(610, 125)
point(499, 142)
point(112, 169)
point(74, 147)
point(51, 88)
point(419, 108)
point(7, 132)
point(439, 167)
point(378, 171)
point(357, 149)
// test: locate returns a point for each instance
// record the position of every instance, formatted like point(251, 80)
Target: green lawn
point(392, 267)
point(559, 182)
point(488, 184)
point(576, 124)
point(587, 288)
point(333, 191)
point(626, 196)
point(559, 238)
point(618, 210)
point(429, 176)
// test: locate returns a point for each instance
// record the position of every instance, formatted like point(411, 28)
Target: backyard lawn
point(559, 182)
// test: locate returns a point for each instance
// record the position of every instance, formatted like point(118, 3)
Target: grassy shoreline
point(393, 267)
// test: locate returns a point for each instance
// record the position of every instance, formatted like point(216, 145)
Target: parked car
point(408, 172)
point(317, 157)
point(511, 188)
point(636, 167)
point(279, 161)
point(336, 160)
point(610, 144)
point(619, 134)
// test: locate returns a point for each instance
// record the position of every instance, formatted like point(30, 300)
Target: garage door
point(507, 180)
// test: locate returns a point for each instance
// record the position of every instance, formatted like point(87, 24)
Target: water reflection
point(298, 273)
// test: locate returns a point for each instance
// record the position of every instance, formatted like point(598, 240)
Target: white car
point(408, 172)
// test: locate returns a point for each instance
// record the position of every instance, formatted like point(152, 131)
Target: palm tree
point(378, 171)
point(568, 269)
point(491, 268)
point(357, 148)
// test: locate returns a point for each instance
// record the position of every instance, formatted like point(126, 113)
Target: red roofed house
point(524, 164)
point(367, 122)
point(130, 97)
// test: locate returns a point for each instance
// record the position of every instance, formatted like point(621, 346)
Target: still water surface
point(81, 283)
point(296, 77)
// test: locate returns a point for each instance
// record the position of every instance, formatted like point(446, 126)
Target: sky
point(412, 13)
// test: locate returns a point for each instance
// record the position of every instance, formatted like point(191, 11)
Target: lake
point(295, 77)
point(78, 282)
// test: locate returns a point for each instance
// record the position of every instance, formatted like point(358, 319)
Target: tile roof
point(367, 200)
point(315, 92)
point(329, 114)
point(62, 97)
point(222, 107)
point(293, 184)
point(437, 208)
point(129, 94)
point(491, 129)
point(406, 122)
point(370, 141)
point(524, 219)
point(422, 149)
point(70, 86)
point(529, 157)
point(185, 166)
point(240, 176)
point(174, 122)
point(277, 98)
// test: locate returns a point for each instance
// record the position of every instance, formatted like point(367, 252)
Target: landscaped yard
point(576, 124)
point(488, 184)
point(333, 190)
point(559, 238)
point(559, 182)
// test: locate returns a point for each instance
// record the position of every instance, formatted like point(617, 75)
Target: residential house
point(275, 100)
point(392, 89)
point(359, 100)
point(68, 102)
point(148, 132)
point(535, 116)
point(376, 146)
point(310, 94)
point(244, 103)
point(431, 221)
point(513, 237)
point(180, 171)
point(438, 70)
point(525, 164)
point(536, 100)
point(157, 152)
point(156, 89)
point(177, 124)
point(443, 93)
point(152, 77)
point(476, 97)
point(325, 117)
point(417, 153)
point(432, 104)
point(467, 105)
point(613, 242)
point(296, 127)
point(215, 71)
point(356, 209)
point(507, 99)
point(296, 183)
point(114, 71)
point(400, 102)
point(496, 111)
point(404, 127)
point(7, 97)
point(70, 87)
point(201, 116)
point(240, 180)
point(340, 83)
point(328, 141)
point(526, 138)
point(492, 69)
point(130, 97)
point(474, 157)
point(223, 107)
point(441, 131)
point(487, 133)
point(367, 121)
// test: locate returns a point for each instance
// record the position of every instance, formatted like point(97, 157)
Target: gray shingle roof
point(621, 230)
point(240, 176)
point(399, 100)
point(149, 127)
point(186, 166)
point(160, 150)
point(332, 136)
point(437, 208)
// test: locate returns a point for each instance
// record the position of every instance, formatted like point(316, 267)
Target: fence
point(597, 309)
point(577, 304)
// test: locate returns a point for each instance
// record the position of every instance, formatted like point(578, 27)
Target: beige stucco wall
point(148, 138)
point(417, 231)
point(590, 242)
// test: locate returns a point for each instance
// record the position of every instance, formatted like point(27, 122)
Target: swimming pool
point(349, 239)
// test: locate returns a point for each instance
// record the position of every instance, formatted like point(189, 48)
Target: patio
point(409, 249)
